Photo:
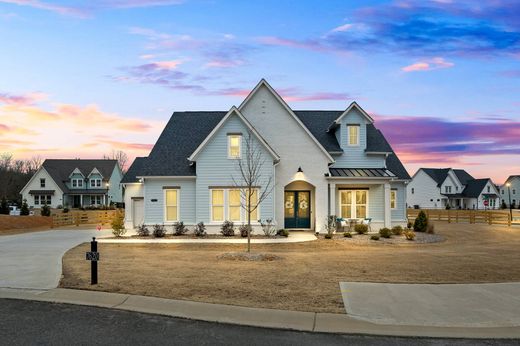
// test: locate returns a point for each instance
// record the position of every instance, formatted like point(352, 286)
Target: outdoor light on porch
point(300, 170)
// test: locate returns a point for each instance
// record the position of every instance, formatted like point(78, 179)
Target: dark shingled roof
point(440, 174)
point(61, 169)
point(186, 130)
point(134, 170)
point(474, 187)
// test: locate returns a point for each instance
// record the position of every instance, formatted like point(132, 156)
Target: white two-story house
point(74, 183)
point(439, 188)
point(510, 191)
point(314, 163)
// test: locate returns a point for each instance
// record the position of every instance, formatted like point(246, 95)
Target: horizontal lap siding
point(215, 169)
point(376, 207)
point(154, 211)
point(399, 213)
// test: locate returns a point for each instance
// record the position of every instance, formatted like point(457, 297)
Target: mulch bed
point(192, 236)
point(420, 238)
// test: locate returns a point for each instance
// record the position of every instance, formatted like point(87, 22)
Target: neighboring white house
point(74, 183)
point(436, 188)
point(514, 188)
point(320, 163)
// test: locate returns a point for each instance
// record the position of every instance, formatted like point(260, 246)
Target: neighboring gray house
point(514, 188)
point(437, 188)
point(321, 162)
point(74, 183)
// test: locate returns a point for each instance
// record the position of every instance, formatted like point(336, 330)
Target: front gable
point(453, 181)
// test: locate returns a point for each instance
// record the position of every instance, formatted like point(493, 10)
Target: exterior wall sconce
point(300, 170)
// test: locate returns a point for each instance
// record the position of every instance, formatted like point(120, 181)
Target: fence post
point(77, 219)
point(52, 220)
point(509, 219)
point(490, 218)
point(457, 216)
point(449, 216)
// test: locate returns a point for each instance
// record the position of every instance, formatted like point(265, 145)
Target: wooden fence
point(491, 217)
point(83, 217)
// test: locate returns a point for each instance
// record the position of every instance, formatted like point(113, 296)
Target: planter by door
point(297, 205)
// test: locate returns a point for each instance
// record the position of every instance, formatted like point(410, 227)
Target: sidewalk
point(268, 318)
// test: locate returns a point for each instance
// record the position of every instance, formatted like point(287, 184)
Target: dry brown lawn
point(10, 224)
point(308, 276)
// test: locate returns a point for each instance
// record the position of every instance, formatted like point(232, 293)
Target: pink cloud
point(27, 99)
point(63, 10)
point(428, 65)
point(167, 65)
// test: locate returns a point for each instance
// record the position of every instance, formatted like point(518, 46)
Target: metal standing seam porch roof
point(361, 173)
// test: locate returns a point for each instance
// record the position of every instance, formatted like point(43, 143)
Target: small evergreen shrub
point(374, 237)
point(200, 230)
point(4, 207)
point(46, 210)
point(361, 229)
point(397, 230)
point(448, 207)
point(143, 231)
point(385, 232)
point(421, 222)
point(159, 231)
point(179, 228)
point(503, 205)
point(430, 229)
point(410, 235)
point(24, 210)
point(283, 232)
point(409, 225)
point(65, 210)
point(347, 235)
point(118, 225)
point(243, 230)
point(227, 229)
point(328, 236)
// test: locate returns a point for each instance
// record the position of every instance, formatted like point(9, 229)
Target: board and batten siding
point(154, 190)
point(215, 169)
point(426, 192)
point(34, 184)
point(115, 191)
point(355, 156)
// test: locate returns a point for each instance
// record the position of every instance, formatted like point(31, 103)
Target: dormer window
point(353, 134)
point(77, 182)
point(95, 182)
point(447, 189)
point(234, 144)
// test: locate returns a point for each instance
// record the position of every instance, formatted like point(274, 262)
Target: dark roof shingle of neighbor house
point(61, 169)
point(185, 131)
point(474, 187)
point(440, 174)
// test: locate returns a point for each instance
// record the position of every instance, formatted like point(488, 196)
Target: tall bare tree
point(120, 156)
point(251, 180)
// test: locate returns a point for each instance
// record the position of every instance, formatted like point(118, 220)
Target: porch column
point(80, 201)
point(333, 199)
point(388, 210)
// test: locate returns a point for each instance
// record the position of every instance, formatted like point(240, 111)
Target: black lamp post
point(510, 206)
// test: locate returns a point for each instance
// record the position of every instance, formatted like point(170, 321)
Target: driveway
point(443, 305)
point(33, 260)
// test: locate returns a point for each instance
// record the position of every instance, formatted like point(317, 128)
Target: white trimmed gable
point(76, 171)
point(95, 171)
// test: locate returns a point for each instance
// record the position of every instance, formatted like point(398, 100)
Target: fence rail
point(83, 217)
point(491, 217)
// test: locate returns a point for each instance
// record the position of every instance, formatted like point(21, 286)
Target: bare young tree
point(251, 181)
point(120, 156)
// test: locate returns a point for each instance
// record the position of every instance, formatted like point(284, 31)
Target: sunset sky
point(441, 78)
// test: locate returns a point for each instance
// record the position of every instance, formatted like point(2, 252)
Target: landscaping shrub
point(200, 229)
point(374, 237)
point(243, 230)
point(268, 227)
point(118, 225)
point(397, 230)
point(410, 235)
point(328, 235)
point(143, 231)
point(4, 207)
point(283, 232)
point(347, 235)
point(503, 205)
point(385, 232)
point(24, 210)
point(228, 229)
point(421, 222)
point(409, 225)
point(448, 207)
point(179, 228)
point(65, 210)
point(159, 231)
point(46, 210)
point(361, 229)
point(430, 229)
point(330, 225)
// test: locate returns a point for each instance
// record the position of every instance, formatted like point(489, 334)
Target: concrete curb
point(266, 318)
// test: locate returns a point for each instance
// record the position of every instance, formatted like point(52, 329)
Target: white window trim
point(77, 180)
point(353, 204)
point(44, 181)
point(393, 192)
point(96, 180)
point(178, 206)
point(243, 213)
point(239, 148)
point(358, 135)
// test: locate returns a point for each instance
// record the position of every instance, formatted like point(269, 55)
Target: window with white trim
point(354, 204)
point(353, 134)
point(96, 200)
point(447, 189)
point(234, 144)
point(42, 182)
point(413, 190)
point(217, 205)
point(226, 204)
point(42, 199)
point(171, 199)
point(95, 182)
point(77, 182)
point(393, 199)
point(234, 205)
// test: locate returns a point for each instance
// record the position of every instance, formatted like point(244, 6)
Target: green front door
point(297, 206)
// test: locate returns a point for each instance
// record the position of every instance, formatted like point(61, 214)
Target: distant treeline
point(14, 174)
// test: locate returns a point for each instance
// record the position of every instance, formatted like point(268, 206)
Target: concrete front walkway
point(294, 237)
point(270, 318)
point(33, 260)
point(441, 305)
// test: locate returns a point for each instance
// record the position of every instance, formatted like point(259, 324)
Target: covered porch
point(87, 198)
